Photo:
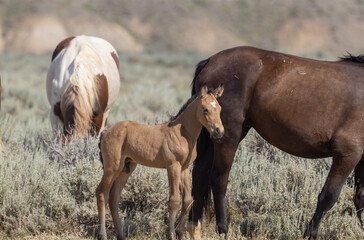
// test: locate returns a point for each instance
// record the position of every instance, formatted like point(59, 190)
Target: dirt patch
point(41, 34)
point(36, 34)
point(114, 33)
point(299, 36)
point(205, 36)
point(348, 38)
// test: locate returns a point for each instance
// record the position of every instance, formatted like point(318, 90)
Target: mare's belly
point(295, 137)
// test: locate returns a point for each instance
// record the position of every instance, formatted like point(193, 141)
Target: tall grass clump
point(273, 195)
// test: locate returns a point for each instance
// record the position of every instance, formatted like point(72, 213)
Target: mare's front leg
point(345, 159)
point(174, 179)
point(359, 189)
point(186, 202)
point(224, 153)
point(116, 189)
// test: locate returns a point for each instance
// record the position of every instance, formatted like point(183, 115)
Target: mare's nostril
point(217, 130)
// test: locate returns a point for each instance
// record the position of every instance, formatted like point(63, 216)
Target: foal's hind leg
point(116, 189)
point(343, 164)
point(359, 189)
point(174, 179)
point(102, 195)
point(186, 202)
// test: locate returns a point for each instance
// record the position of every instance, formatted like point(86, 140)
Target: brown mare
point(170, 145)
point(308, 108)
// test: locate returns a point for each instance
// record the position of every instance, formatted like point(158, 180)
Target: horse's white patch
point(213, 103)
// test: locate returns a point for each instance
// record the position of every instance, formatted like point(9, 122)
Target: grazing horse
point(82, 84)
point(170, 145)
point(305, 107)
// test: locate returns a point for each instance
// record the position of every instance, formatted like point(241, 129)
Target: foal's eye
point(205, 110)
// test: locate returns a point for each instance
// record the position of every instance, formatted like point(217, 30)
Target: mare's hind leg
point(174, 179)
point(345, 159)
point(359, 189)
point(116, 189)
point(186, 202)
point(200, 182)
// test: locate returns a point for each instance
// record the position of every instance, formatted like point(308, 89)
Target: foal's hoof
point(179, 234)
point(194, 231)
point(172, 236)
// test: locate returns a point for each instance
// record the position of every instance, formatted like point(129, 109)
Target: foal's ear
point(218, 91)
point(204, 90)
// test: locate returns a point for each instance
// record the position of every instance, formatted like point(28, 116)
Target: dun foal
point(170, 145)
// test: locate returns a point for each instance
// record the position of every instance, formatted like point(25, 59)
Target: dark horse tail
point(101, 136)
point(203, 143)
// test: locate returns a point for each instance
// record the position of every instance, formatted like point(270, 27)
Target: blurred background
point(309, 28)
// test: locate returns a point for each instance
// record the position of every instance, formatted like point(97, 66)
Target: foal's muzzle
point(217, 132)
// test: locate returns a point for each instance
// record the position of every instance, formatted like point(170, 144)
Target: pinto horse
point(305, 107)
point(82, 84)
point(170, 145)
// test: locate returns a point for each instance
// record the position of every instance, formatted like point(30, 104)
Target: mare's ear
point(204, 90)
point(218, 91)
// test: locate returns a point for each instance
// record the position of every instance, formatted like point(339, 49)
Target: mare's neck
point(190, 122)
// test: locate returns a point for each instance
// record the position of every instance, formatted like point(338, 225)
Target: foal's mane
point(351, 58)
point(199, 68)
point(183, 108)
point(172, 118)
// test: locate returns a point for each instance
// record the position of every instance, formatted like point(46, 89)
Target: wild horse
point(170, 145)
point(305, 107)
point(82, 85)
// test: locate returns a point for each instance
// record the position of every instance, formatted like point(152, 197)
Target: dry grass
point(47, 188)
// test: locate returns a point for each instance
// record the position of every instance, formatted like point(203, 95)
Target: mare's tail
point(202, 148)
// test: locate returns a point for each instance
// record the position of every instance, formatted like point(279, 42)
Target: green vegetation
point(47, 188)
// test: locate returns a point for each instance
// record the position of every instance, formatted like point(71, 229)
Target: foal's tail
point(101, 136)
point(202, 147)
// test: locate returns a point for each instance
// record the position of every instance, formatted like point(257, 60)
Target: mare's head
point(209, 110)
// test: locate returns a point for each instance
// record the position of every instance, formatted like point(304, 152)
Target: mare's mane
point(199, 68)
point(352, 58)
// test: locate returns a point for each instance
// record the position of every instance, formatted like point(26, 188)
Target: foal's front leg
point(174, 179)
point(186, 202)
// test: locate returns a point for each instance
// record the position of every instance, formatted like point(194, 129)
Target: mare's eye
point(205, 110)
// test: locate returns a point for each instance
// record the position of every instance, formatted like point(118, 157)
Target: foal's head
point(209, 111)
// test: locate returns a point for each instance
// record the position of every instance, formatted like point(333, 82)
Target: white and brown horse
point(82, 84)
